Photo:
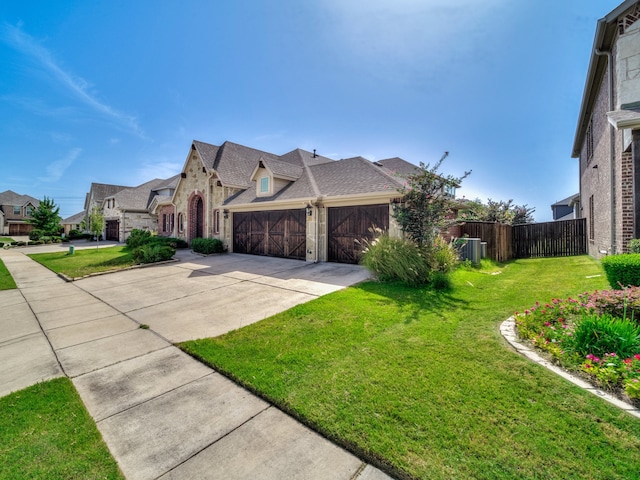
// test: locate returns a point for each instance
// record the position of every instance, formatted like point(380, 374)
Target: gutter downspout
point(612, 150)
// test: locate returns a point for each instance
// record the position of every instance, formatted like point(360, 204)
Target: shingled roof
point(101, 191)
point(9, 197)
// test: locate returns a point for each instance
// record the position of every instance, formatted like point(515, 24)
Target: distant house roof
point(139, 198)
point(398, 166)
point(74, 219)
point(569, 201)
point(9, 197)
point(100, 191)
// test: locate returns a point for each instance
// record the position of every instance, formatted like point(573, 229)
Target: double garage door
point(19, 229)
point(283, 233)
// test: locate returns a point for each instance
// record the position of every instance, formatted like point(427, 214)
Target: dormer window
point(264, 185)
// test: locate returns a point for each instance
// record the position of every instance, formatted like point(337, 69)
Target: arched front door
point(196, 217)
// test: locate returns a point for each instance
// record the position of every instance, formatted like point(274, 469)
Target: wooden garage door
point(113, 232)
point(20, 229)
point(347, 226)
point(281, 233)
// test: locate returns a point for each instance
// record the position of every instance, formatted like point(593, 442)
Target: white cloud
point(79, 87)
point(56, 169)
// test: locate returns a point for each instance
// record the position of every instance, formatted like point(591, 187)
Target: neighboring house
point(132, 208)
point(73, 222)
point(97, 193)
point(298, 205)
point(607, 139)
point(567, 209)
point(15, 213)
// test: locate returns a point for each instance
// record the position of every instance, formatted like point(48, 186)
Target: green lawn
point(46, 433)
point(6, 239)
point(86, 261)
point(6, 280)
point(422, 383)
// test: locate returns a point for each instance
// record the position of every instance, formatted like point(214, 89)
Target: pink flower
point(587, 365)
point(547, 324)
point(637, 356)
point(590, 356)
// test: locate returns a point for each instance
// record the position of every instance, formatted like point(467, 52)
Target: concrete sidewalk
point(161, 413)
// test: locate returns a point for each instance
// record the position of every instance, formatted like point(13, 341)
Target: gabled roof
point(9, 197)
point(101, 191)
point(398, 166)
point(171, 182)
point(138, 198)
point(351, 176)
point(74, 219)
point(233, 163)
point(605, 34)
point(285, 170)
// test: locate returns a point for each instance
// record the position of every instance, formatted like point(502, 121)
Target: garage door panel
point(278, 233)
point(348, 226)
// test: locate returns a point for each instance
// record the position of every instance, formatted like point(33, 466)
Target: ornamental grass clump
point(396, 259)
point(602, 334)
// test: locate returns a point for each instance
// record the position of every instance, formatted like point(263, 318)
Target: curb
point(508, 331)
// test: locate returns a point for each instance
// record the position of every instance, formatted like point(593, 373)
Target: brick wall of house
point(595, 176)
point(166, 225)
point(626, 193)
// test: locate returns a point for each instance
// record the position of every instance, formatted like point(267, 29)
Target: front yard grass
point(46, 433)
point(6, 280)
point(86, 261)
point(422, 384)
point(6, 239)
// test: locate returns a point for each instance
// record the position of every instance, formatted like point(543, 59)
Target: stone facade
point(166, 221)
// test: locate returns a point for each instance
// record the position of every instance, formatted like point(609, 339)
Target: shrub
point(35, 234)
point(151, 253)
point(442, 257)
point(1, 244)
point(602, 334)
point(634, 245)
point(138, 238)
point(395, 259)
point(622, 270)
point(207, 245)
point(618, 303)
point(171, 241)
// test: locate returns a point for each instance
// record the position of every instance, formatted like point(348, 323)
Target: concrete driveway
point(201, 297)
point(161, 413)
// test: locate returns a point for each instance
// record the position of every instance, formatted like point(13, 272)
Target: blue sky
point(115, 91)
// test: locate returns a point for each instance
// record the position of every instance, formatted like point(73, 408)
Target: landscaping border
point(508, 331)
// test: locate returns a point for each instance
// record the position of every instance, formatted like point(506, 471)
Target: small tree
point(96, 223)
point(427, 208)
point(45, 218)
point(498, 211)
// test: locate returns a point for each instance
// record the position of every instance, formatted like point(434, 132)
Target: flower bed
point(596, 335)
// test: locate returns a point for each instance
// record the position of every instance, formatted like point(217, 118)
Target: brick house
point(607, 139)
point(298, 205)
point(15, 213)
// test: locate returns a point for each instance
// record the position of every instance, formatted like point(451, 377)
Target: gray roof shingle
point(9, 197)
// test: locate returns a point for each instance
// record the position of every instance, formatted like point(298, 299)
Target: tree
point(96, 223)
point(426, 208)
point(45, 218)
point(497, 211)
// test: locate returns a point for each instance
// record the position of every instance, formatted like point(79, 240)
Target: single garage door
point(20, 229)
point(113, 232)
point(347, 226)
point(281, 233)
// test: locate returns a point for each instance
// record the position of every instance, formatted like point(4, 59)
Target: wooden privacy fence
point(550, 239)
point(499, 238)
